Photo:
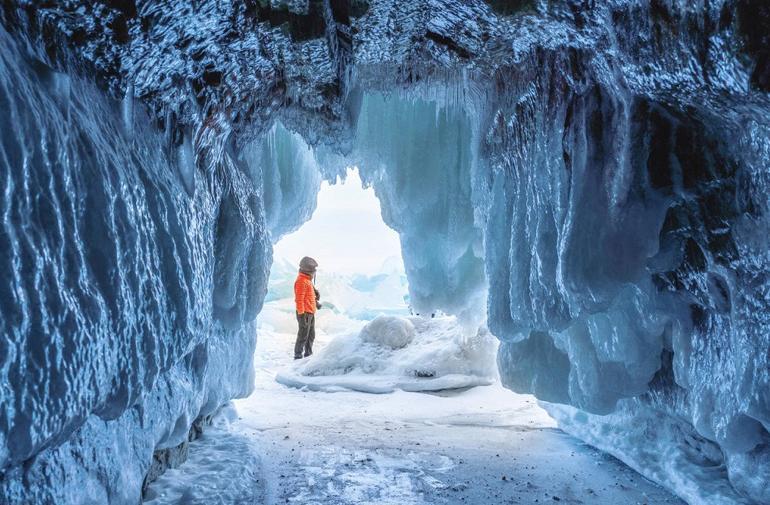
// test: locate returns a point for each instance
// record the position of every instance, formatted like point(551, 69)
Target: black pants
point(305, 335)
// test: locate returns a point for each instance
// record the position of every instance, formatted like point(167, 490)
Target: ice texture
point(127, 308)
point(627, 252)
point(230, 461)
point(290, 179)
point(417, 155)
point(606, 160)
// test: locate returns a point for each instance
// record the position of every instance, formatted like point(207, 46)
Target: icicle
point(127, 109)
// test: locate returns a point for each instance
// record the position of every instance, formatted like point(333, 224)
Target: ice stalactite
point(290, 179)
point(418, 157)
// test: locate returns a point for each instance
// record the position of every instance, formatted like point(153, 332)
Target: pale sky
point(346, 233)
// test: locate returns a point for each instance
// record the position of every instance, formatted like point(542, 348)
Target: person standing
point(306, 300)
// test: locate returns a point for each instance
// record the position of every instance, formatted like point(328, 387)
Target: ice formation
point(407, 353)
point(601, 167)
point(290, 179)
point(418, 157)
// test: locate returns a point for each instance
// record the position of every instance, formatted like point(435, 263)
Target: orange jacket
point(304, 294)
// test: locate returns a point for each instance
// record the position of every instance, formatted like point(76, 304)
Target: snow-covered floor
point(484, 445)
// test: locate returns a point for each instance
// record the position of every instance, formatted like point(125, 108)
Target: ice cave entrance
point(376, 333)
point(392, 407)
point(348, 237)
point(369, 338)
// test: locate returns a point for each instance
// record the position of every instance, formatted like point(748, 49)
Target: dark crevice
point(449, 43)
point(172, 457)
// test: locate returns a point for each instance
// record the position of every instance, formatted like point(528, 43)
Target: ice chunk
point(407, 353)
point(390, 332)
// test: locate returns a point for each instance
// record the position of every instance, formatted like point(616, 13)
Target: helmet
point(308, 265)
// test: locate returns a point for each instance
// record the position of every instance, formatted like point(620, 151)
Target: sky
point(346, 233)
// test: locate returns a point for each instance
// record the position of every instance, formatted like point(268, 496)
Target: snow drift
point(406, 353)
point(600, 166)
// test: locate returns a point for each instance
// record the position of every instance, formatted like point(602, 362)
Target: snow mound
point(406, 353)
point(389, 331)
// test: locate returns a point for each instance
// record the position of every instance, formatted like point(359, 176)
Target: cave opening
point(402, 386)
point(582, 184)
point(345, 233)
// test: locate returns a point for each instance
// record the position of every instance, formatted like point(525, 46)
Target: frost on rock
point(407, 353)
point(601, 167)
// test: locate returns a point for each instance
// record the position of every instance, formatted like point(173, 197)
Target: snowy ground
point(483, 445)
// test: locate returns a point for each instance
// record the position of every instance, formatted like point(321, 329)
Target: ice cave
point(579, 190)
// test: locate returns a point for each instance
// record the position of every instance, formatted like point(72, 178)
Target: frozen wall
point(625, 249)
point(126, 298)
point(631, 247)
point(627, 252)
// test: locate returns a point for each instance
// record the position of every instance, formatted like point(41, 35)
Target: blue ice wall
point(128, 280)
point(627, 249)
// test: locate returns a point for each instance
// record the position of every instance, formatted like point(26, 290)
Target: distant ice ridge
point(356, 296)
point(406, 353)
